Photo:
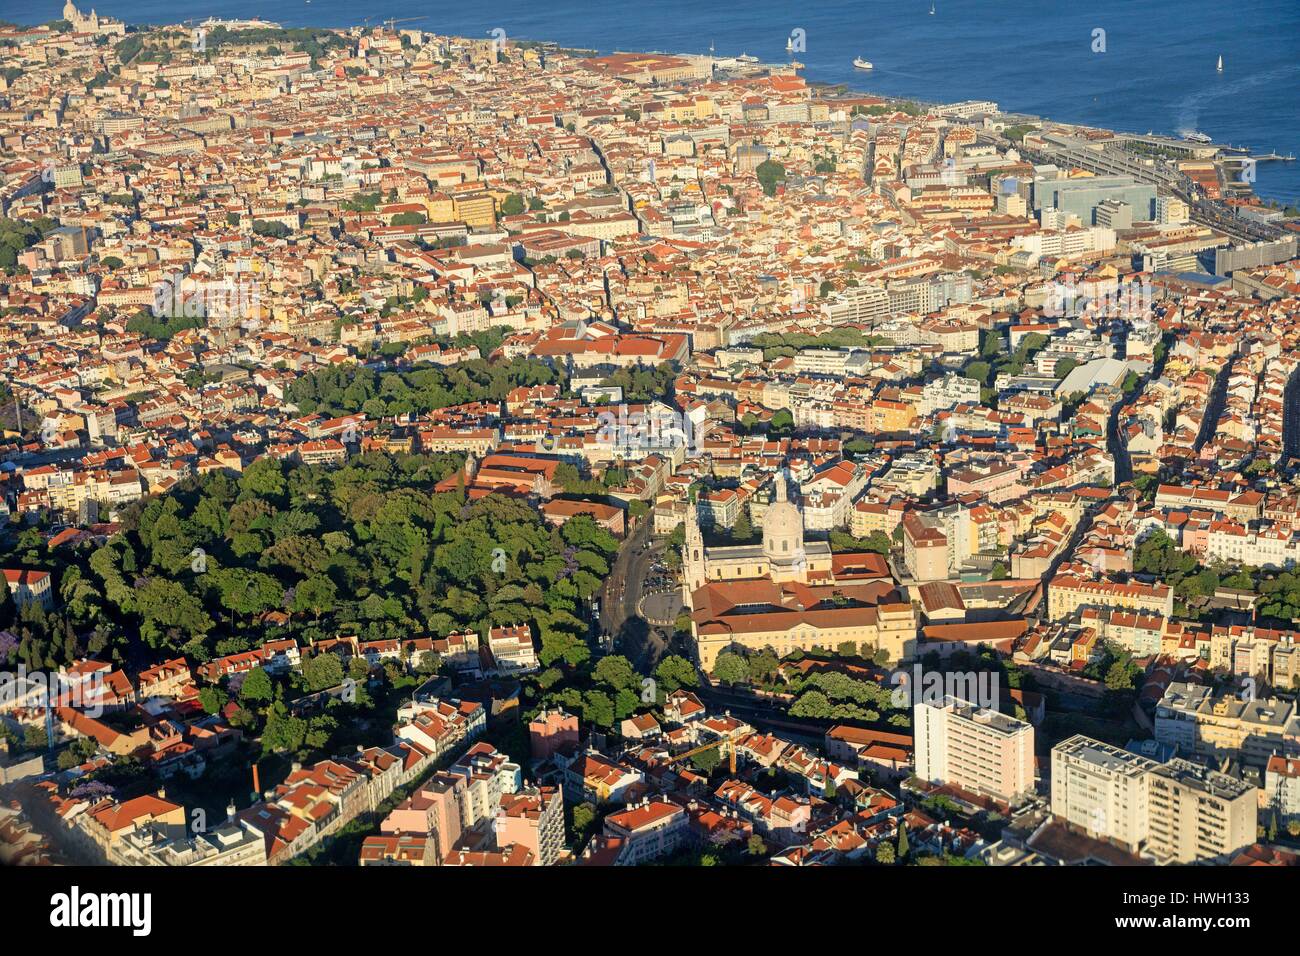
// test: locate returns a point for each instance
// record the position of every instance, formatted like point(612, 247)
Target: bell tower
point(694, 575)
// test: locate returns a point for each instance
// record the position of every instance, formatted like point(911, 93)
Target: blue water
point(1036, 56)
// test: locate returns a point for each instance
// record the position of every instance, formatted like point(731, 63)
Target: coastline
point(1253, 128)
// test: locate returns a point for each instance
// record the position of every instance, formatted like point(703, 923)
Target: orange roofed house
point(652, 829)
point(108, 823)
point(30, 587)
point(512, 474)
point(559, 510)
point(534, 819)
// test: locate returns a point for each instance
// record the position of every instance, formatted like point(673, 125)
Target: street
point(632, 635)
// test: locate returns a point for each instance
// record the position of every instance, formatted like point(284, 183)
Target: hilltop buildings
point(931, 402)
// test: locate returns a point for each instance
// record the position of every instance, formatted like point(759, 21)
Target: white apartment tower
point(1175, 812)
point(976, 749)
point(1102, 790)
point(1198, 814)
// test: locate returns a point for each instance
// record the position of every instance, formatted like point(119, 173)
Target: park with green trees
point(366, 549)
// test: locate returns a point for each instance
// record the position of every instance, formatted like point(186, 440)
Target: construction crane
point(727, 745)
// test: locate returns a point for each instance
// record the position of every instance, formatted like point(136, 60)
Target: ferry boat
point(1196, 136)
point(862, 64)
point(746, 58)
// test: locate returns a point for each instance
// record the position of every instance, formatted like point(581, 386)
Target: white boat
point(789, 45)
point(1219, 68)
point(862, 64)
point(746, 58)
point(932, 9)
point(1195, 136)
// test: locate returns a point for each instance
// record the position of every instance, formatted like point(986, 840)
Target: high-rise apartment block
point(976, 749)
point(1176, 812)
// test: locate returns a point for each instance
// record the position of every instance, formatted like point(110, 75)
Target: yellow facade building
point(784, 594)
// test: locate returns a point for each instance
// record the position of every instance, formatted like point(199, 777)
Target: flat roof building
point(1082, 196)
point(1102, 790)
point(976, 749)
point(1198, 815)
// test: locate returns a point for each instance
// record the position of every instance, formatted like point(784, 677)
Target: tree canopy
point(368, 548)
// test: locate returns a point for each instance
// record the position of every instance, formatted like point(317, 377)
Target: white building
point(30, 587)
point(652, 829)
point(1272, 548)
point(1282, 784)
point(979, 750)
point(1102, 790)
point(1066, 242)
point(1171, 211)
point(489, 775)
point(947, 392)
point(512, 649)
point(1198, 814)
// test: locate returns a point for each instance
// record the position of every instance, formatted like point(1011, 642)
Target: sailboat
point(1219, 68)
point(932, 9)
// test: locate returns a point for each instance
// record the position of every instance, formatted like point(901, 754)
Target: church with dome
point(92, 23)
point(788, 593)
point(783, 555)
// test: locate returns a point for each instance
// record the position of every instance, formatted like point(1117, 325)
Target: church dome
point(782, 527)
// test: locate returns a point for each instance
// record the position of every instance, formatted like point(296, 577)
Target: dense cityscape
point(419, 450)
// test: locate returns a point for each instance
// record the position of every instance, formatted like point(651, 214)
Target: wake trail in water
point(1187, 110)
